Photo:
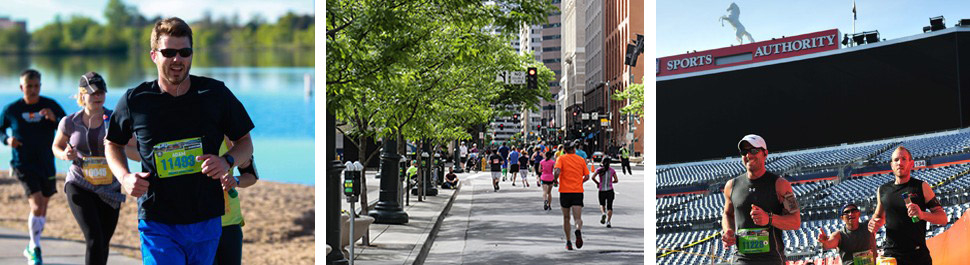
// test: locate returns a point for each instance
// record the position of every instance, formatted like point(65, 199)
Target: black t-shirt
point(35, 132)
point(761, 192)
point(496, 161)
point(523, 160)
point(207, 110)
point(903, 236)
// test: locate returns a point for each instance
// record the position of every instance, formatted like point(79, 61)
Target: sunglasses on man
point(752, 151)
point(847, 212)
point(169, 53)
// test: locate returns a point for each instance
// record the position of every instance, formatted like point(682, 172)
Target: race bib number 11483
point(176, 158)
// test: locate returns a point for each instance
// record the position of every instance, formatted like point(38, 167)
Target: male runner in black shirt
point(901, 208)
point(757, 206)
point(179, 122)
point(32, 120)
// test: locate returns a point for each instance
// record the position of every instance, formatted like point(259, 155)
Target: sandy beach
point(279, 221)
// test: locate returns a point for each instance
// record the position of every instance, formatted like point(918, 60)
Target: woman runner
point(93, 194)
point(547, 179)
point(607, 176)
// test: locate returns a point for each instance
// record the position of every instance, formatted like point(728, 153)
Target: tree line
point(128, 30)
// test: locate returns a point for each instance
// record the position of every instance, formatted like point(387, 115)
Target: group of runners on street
point(566, 167)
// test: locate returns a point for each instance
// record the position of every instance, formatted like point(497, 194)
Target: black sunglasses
point(847, 212)
point(169, 53)
point(750, 151)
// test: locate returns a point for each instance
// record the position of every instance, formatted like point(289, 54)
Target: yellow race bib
point(96, 170)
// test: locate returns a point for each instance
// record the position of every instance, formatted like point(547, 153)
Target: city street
point(510, 227)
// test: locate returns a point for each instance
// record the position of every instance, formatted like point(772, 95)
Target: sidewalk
point(407, 243)
point(55, 251)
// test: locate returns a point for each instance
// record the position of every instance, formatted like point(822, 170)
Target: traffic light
point(538, 127)
point(501, 126)
point(515, 117)
point(532, 78)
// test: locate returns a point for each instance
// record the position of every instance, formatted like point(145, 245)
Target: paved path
point(55, 251)
point(510, 227)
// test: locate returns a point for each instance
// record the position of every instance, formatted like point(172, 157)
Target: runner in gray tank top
point(857, 246)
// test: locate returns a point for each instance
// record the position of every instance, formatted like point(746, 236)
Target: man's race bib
point(32, 116)
point(176, 158)
point(96, 170)
point(863, 258)
point(752, 241)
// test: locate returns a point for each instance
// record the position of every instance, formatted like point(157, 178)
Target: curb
point(426, 247)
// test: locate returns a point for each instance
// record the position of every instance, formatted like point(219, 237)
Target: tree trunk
point(362, 154)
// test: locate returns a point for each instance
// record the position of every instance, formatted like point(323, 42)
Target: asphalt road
point(510, 227)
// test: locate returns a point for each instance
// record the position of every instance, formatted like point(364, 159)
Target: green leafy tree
point(633, 93)
point(420, 70)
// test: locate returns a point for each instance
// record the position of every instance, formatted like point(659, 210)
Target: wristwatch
point(232, 161)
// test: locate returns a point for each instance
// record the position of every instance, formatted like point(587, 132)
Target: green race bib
point(176, 158)
point(863, 258)
point(752, 241)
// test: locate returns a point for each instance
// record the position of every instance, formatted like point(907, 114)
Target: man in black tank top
point(856, 244)
point(906, 221)
point(758, 205)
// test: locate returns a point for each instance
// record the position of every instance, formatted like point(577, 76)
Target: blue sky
point(684, 25)
point(41, 12)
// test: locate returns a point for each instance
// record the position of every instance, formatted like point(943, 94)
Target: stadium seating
point(688, 226)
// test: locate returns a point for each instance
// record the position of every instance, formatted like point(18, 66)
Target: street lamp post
point(388, 209)
point(336, 257)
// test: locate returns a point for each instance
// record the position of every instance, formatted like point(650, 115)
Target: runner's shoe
point(33, 256)
point(603, 219)
point(579, 239)
point(608, 225)
point(569, 245)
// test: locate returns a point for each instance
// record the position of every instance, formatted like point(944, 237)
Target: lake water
point(273, 94)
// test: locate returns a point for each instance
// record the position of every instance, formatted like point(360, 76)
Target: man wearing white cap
point(757, 206)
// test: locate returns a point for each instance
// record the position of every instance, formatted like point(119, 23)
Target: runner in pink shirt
point(546, 167)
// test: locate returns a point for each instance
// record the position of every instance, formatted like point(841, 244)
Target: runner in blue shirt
point(513, 160)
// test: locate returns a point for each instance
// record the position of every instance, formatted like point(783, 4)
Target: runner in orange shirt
point(571, 172)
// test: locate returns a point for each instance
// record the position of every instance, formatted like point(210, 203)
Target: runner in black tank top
point(758, 206)
point(761, 193)
point(906, 239)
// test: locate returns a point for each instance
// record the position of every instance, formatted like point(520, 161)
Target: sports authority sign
point(749, 53)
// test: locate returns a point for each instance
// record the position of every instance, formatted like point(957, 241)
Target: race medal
point(96, 171)
point(863, 258)
point(752, 241)
point(176, 158)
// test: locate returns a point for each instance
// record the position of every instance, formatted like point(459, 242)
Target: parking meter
point(352, 181)
point(352, 190)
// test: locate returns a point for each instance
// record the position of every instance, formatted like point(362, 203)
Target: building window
point(555, 60)
point(552, 25)
point(553, 84)
point(551, 49)
point(551, 37)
